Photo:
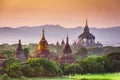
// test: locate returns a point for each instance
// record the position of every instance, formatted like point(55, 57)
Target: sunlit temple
point(43, 48)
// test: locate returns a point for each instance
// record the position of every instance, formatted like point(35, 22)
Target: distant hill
point(54, 33)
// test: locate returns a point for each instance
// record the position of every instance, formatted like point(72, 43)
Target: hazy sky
point(68, 13)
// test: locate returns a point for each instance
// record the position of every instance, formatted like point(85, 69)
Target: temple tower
point(2, 60)
point(67, 56)
point(20, 52)
point(43, 48)
point(62, 43)
point(86, 39)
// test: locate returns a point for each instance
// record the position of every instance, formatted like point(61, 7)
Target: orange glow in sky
point(68, 13)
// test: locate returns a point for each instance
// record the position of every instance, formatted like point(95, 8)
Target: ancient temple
point(2, 60)
point(86, 39)
point(57, 44)
point(58, 49)
point(67, 56)
point(43, 48)
point(20, 52)
point(63, 43)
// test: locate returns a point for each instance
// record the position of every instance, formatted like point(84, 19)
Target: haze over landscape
point(59, 39)
point(25, 19)
point(54, 33)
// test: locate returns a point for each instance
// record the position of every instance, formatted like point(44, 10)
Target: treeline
point(44, 68)
point(102, 64)
point(8, 51)
point(32, 68)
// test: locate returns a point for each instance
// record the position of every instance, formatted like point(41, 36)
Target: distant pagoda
point(67, 56)
point(20, 52)
point(43, 48)
point(87, 39)
point(2, 60)
point(63, 43)
point(57, 44)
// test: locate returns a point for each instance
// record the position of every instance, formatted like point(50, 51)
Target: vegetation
point(81, 53)
point(94, 65)
point(9, 50)
point(108, 76)
point(32, 68)
point(45, 68)
point(38, 67)
point(26, 52)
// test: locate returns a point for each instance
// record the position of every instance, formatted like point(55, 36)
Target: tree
point(13, 68)
point(7, 53)
point(95, 64)
point(48, 68)
point(26, 52)
point(113, 64)
point(35, 71)
point(114, 56)
point(84, 66)
point(73, 69)
point(82, 53)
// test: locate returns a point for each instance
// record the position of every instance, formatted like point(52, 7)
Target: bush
point(81, 53)
point(46, 67)
point(5, 77)
point(13, 68)
point(113, 63)
point(73, 69)
point(95, 64)
point(32, 68)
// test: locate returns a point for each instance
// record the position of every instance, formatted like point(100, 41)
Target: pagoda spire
point(86, 23)
point(19, 41)
point(20, 52)
point(43, 35)
point(19, 45)
point(86, 29)
point(67, 40)
point(67, 48)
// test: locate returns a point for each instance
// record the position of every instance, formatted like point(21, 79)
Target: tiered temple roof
point(20, 52)
point(57, 44)
point(67, 48)
point(67, 56)
point(43, 48)
point(62, 43)
point(86, 33)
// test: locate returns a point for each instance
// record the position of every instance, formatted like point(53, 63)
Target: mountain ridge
point(54, 33)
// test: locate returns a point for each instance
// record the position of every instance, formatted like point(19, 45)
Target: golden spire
point(43, 43)
point(43, 36)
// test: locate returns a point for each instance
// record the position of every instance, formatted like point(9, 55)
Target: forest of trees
point(38, 67)
point(8, 51)
point(45, 68)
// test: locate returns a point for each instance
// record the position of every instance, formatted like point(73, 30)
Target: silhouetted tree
point(81, 53)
